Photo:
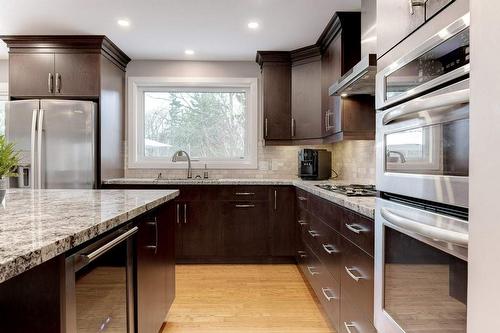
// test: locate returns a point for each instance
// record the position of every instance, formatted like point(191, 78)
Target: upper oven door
point(420, 270)
point(423, 147)
point(442, 58)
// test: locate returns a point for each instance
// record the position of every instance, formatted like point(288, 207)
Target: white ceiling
point(163, 29)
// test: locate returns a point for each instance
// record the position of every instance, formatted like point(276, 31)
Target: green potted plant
point(9, 160)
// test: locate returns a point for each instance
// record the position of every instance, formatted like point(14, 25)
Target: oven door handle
point(108, 246)
point(425, 230)
point(426, 104)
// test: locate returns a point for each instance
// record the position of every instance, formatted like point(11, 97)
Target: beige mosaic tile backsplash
point(354, 161)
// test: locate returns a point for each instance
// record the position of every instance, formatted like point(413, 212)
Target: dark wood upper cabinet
point(276, 81)
point(31, 74)
point(65, 66)
point(306, 97)
point(76, 74)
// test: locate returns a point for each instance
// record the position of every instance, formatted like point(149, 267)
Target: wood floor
point(243, 299)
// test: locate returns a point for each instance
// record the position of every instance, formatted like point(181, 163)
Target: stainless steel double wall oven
point(422, 175)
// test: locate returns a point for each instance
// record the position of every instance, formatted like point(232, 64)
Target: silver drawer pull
point(313, 233)
point(348, 326)
point(329, 248)
point(302, 222)
point(302, 254)
point(328, 293)
point(355, 228)
point(244, 193)
point(349, 271)
point(302, 198)
point(311, 270)
point(244, 206)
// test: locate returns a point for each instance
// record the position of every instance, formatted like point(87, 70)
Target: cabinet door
point(396, 19)
point(282, 221)
point(306, 100)
point(245, 229)
point(331, 71)
point(151, 273)
point(200, 233)
point(30, 75)
point(77, 74)
point(277, 89)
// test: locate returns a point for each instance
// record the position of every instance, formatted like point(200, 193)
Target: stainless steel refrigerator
point(57, 142)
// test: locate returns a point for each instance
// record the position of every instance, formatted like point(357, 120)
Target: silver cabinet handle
point(275, 200)
point(265, 128)
point(154, 223)
point(310, 269)
point(444, 235)
point(327, 291)
point(178, 213)
point(302, 198)
point(244, 193)
point(329, 248)
point(185, 213)
point(293, 127)
point(50, 83)
point(302, 222)
point(348, 326)
point(313, 233)
point(103, 249)
point(354, 228)
point(58, 83)
point(244, 206)
point(349, 272)
point(302, 254)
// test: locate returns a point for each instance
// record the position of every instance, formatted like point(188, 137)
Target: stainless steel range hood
point(360, 80)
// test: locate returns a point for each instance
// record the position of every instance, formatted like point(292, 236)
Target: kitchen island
point(40, 229)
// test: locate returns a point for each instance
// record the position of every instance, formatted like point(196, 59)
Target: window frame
point(135, 118)
point(4, 96)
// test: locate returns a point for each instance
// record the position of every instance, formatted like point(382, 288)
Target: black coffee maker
point(315, 164)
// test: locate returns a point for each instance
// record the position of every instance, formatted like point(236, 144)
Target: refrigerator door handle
point(33, 142)
point(39, 150)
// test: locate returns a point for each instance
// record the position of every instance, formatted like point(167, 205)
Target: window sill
point(232, 165)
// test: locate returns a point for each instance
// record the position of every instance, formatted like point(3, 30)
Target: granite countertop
point(362, 205)
point(38, 225)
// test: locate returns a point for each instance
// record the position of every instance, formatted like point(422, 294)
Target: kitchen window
point(213, 120)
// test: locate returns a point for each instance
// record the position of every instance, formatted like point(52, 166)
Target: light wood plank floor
point(243, 299)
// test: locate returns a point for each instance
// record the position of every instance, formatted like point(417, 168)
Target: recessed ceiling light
point(123, 23)
point(189, 52)
point(253, 25)
point(344, 95)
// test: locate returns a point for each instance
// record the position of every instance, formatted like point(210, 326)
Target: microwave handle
point(426, 104)
point(425, 230)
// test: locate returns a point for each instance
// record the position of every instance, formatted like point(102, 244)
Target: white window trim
point(134, 114)
point(4, 91)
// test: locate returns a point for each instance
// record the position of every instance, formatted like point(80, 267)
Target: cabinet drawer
point(243, 193)
point(359, 230)
point(326, 243)
point(351, 319)
point(302, 199)
point(357, 277)
point(327, 211)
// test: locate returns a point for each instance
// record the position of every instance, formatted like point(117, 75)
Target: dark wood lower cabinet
point(155, 274)
point(232, 223)
point(336, 261)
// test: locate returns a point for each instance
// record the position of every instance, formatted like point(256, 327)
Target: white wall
point(484, 246)
point(4, 70)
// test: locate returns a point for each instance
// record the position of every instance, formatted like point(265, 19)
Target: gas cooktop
point(352, 190)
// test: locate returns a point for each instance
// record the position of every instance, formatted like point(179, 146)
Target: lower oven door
point(420, 270)
point(423, 147)
point(99, 285)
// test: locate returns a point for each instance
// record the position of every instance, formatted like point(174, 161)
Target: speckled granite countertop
point(36, 226)
point(362, 205)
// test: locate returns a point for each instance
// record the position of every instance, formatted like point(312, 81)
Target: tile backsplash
point(354, 161)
